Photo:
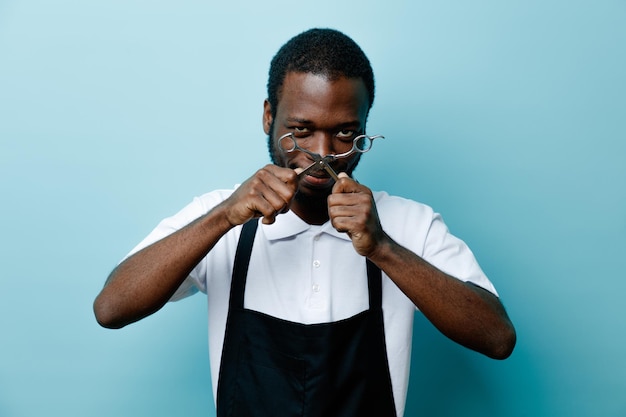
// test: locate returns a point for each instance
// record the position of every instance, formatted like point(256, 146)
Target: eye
point(300, 131)
point(345, 134)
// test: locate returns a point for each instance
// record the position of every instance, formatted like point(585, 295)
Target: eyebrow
point(355, 123)
point(299, 120)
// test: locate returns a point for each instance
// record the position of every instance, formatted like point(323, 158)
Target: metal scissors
point(360, 144)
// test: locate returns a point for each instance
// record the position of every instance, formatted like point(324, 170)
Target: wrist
point(219, 218)
point(382, 250)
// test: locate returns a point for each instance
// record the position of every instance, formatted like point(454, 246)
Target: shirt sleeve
point(196, 281)
point(420, 229)
point(451, 255)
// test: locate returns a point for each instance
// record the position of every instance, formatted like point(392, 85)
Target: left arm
point(464, 312)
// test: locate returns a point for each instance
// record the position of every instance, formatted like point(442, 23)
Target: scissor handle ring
point(356, 148)
point(293, 141)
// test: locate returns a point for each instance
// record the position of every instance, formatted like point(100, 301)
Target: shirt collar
point(289, 224)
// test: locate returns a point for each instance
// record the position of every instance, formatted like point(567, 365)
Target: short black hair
point(326, 52)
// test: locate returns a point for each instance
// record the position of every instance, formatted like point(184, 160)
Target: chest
point(312, 278)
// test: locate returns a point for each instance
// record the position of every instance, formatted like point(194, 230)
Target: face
point(324, 115)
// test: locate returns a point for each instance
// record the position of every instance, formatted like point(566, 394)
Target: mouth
point(315, 181)
point(317, 178)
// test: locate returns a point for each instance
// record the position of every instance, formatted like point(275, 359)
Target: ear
point(267, 117)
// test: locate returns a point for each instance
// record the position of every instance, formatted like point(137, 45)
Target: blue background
point(509, 118)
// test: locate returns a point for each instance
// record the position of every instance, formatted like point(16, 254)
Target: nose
point(322, 144)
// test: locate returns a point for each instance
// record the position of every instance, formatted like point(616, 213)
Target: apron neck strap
point(240, 267)
point(374, 282)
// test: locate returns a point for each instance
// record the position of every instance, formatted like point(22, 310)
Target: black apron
point(274, 367)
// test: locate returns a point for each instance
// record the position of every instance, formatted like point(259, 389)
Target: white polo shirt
point(312, 274)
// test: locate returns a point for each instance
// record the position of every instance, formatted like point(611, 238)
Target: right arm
point(145, 281)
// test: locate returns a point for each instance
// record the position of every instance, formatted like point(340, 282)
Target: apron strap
point(374, 282)
point(240, 266)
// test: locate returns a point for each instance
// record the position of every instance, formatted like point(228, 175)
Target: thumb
point(343, 186)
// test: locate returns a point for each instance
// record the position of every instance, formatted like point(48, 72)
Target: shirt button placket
point(316, 301)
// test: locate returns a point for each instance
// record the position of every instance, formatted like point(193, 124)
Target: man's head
point(326, 53)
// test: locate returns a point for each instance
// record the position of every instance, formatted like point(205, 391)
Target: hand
point(266, 194)
point(352, 210)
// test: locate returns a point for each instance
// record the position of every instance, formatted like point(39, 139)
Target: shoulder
point(200, 205)
point(395, 208)
point(209, 200)
point(406, 221)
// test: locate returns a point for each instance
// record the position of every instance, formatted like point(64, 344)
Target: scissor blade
point(315, 166)
point(319, 165)
point(331, 171)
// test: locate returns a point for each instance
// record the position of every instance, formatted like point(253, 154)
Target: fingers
point(274, 189)
point(266, 194)
point(352, 210)
point(350, 204)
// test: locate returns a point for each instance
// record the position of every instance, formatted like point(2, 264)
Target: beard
point(313, 201)
point(271, 146)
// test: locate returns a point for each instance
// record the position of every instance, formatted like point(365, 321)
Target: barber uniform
point(275, 367)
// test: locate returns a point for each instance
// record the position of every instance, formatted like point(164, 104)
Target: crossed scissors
point(360, 144)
